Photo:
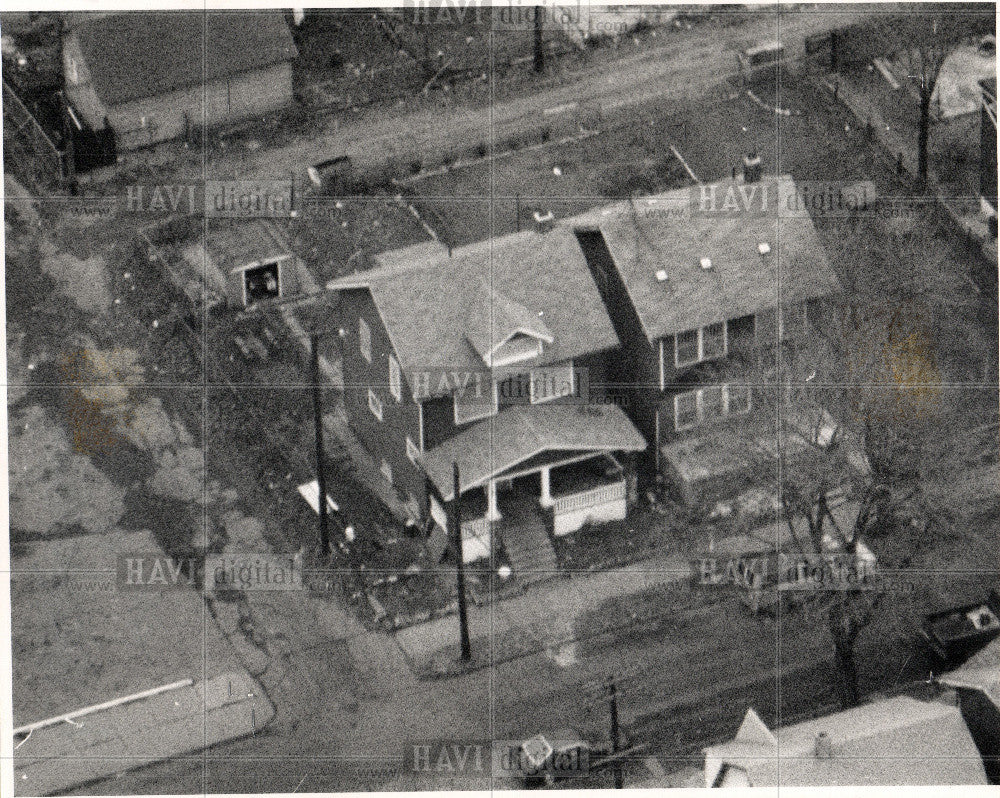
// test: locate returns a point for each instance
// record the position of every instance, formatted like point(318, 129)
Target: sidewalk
point(182, 721)
point(541, 620)
point(544, 619)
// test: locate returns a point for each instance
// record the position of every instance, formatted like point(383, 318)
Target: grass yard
point(329, 232)
point(473, 202)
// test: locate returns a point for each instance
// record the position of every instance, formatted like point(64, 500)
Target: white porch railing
point(589, 498)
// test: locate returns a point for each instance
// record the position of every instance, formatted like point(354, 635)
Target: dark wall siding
point(386, 439)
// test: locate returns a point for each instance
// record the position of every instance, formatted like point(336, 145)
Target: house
point(888, 742)
point(978, 684)
point(702, 284)
point(152, 77)
point(988, 151)
point(484, 357)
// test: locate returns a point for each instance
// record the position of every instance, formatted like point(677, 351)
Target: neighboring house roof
point(434, 307)
point(144, 54)
point(517, 434)
point(980, 672)
point(893, 741)
point(668, 232)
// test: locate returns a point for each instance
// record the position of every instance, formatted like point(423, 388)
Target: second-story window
point(704, 343)
point(365, 339)
point(395, 381)
point(686, 348)
point(713, 341)
point(474, 402)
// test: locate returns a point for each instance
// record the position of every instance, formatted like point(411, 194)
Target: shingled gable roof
point(891, 741)
point(424, 299)
point(668, 232)
point(143, 54)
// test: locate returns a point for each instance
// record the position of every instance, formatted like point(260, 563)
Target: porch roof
point(517, 434)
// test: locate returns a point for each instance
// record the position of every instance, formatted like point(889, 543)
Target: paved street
point(688, 67)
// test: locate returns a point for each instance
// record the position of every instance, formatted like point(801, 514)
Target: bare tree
point(933, 41)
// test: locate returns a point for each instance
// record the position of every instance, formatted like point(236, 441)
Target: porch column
point(492, 511)
point(546, 499)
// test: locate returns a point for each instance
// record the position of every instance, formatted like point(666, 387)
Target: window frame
point(373, 403)
point(701, 356)
point(531, 383)
point(395, 379)
point(699, 399)
point(495, 408)
point(364, 339)
point(727, 393)
point(677, 361)
point(697, 414)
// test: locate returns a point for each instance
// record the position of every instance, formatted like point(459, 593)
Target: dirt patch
point(78, 638)
point(50, 484)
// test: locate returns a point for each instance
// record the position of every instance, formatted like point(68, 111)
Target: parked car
point(760, 62)
point(546, 758)
point(958, 633)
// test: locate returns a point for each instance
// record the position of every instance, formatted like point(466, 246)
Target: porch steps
point(526, 540)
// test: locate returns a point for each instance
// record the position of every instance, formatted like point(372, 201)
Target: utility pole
point(324, 530)
point(539, 50)
point(456, 531)
point(613, 689)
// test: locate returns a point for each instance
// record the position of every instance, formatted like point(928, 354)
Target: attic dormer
point(503, 331)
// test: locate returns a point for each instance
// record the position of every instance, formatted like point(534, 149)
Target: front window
point(711, 404)
point(475, 401)
point(686, 410)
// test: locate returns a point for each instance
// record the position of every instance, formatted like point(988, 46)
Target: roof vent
point(544, 221)
point(824, 746)
point(763, 247)
point(706, 263)
point(661, 276)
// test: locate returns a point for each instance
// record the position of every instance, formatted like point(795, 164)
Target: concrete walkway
point(541, 620)
point(182, 721)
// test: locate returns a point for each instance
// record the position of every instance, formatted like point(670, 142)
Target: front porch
point(527, 506)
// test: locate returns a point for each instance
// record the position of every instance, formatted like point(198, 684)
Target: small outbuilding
point(156, 76)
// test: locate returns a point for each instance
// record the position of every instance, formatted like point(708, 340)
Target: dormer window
point(519, 347)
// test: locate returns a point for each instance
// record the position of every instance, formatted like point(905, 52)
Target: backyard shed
point(244, 262)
